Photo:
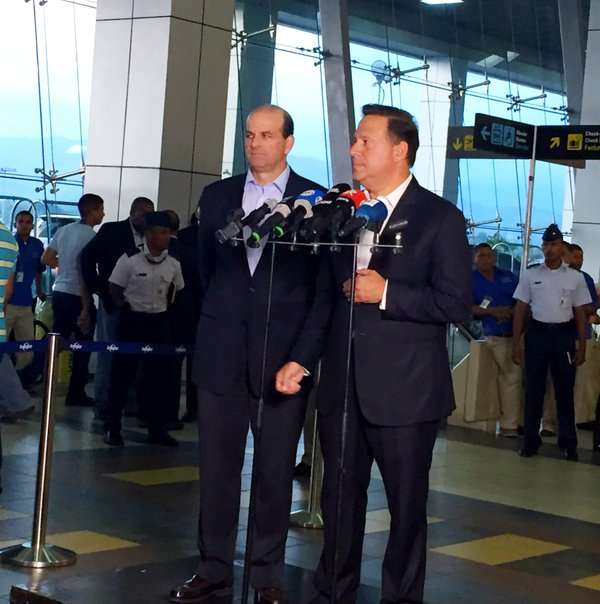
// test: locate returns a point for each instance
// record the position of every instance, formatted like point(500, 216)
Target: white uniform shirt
point(147, 281)
point(552, 293)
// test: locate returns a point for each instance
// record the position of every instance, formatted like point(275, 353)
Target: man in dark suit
point(98, 259)
point(400, 382)
point(228, 362)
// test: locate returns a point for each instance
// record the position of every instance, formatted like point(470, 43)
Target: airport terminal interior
point(130, 98)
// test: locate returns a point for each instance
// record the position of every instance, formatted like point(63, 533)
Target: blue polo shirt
point(28, 266)
point(595, 301)
point(500, 293)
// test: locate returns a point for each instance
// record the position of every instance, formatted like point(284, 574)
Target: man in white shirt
point(557, 296)
point(143, 284)
point(74, 312)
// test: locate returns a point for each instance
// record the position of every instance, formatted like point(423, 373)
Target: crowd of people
point(547, 380)
point(155, 283)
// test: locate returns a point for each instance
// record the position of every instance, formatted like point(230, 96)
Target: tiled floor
point(502, 529)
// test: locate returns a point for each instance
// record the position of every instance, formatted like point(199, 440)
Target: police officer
point(143, 284)
point(557, 296)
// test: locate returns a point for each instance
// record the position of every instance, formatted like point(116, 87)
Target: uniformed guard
point(143, 284)
point(556, 295)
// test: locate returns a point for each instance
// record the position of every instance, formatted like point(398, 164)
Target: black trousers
point(147, 328)
point(66, 309)
point(403, 454)
point(550, 347)
point(223, 422)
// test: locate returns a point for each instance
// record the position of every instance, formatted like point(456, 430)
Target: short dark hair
point(287, 128)
point(575, 246)
point(140, 201)
point(401, 127)
point(23, 213)
point(88, 203)
point(482, 246)
point(173, 219)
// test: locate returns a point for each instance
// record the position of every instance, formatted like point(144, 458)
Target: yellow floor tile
point(147, 478)
point(500, 549)
point(89, 542)
point(81, 542)
point(588, 582)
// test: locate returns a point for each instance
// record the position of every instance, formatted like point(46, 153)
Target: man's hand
point(84, 322)
point(502, 313)
point(42, 296)
point(580, 356)
point(288, 378)
point(517, 355)
point(369, 287)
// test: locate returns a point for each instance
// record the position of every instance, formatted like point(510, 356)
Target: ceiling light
point(437, 2)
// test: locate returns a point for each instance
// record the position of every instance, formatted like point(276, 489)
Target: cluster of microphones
point(312, 216)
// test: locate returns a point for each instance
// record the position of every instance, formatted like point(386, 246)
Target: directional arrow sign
point(503, 136)
point(555, 142)
point(568, 143)
point(457, 144)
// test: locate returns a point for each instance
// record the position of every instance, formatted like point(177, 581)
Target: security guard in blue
point(143, 284)
point(555, 340)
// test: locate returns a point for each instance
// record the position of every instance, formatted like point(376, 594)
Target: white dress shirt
point(367, 237)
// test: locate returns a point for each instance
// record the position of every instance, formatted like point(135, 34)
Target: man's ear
point(401, 151)
point(289, 143)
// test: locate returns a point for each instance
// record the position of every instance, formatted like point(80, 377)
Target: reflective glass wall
point(46, 51)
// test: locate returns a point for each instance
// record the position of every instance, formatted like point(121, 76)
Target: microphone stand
point(344, 434)
point(257, 439)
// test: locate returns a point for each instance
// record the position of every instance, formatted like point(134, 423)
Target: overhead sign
point(460, 145)
point(503, 136)
point(568, 142)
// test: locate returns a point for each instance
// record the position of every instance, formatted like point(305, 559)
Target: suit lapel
point(405, 209)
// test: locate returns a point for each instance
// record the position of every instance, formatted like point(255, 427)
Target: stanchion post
point(38, 554)
point(312, 517)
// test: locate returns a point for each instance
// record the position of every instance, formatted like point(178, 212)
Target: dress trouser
point(20, 320)
point(223, 422)
point(550, 347)
point(106, 331)
point(403, 454)
point(143, 328)
point(67, 308)
point(510, 382)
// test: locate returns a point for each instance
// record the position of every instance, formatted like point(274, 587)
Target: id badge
point(485, 303)
point(20, 277)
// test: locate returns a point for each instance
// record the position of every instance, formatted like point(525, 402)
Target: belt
point(549, 326)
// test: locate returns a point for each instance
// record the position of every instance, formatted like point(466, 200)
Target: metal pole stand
point(312, 517)
point(38, 554)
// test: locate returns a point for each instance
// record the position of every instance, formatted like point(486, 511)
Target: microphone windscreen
point(373, 210)
point(356, 196)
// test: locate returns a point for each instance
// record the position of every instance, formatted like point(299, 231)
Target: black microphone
point(233, 227)
point(255, 217)
point(302, 209)
point(314, 227)
point(344, 208)
point(280, 212)
point(369, 215)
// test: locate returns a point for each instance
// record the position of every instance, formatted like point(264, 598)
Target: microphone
point(344, 208)
point(302, 209)
point(317, 225)
point(369, 216)
point(280, 212)
point(233, 227)
point(257, 215)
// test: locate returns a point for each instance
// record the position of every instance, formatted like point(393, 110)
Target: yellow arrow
point(457, 144)
point(555, 142)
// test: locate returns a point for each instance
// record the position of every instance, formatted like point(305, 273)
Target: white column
point(586, 216)
point(159, 95)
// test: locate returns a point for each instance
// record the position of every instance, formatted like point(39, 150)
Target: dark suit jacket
point(184, 312)
point(99, 256)
point(232, 322)
point(400, 360)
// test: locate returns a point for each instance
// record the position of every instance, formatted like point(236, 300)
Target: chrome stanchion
point(312, 516)
point(38, 554)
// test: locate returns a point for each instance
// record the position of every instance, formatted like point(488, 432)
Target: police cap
point(552, 233)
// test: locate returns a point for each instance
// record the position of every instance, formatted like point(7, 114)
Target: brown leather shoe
point(269, 595)
point(197, 590)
